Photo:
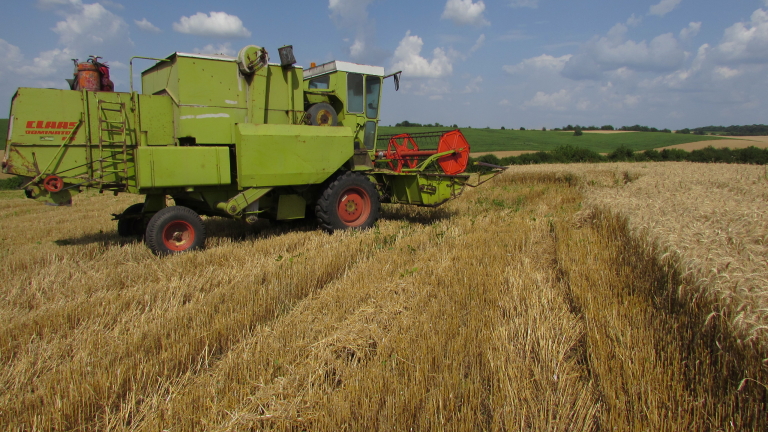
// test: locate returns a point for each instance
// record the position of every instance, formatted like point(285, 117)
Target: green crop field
point(486, 140)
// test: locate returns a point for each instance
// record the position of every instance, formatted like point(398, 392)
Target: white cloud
point(634, 21)
point(350, 11)
point(480, 41)
point(543, 62)
point(613, 52)
point(746, 42)
point(217, 24)
point(465, 12)
point(351, 16)
point(225, 48)
point(408, 59)
point(505, 102)
point(11, 55)
point(47, 63)
point(533, 4)
point(691, 31)
point(664, 7)
point(725, 72)
point(474, 85)
point(90, 26)
point(146, 26)
point(554, 101)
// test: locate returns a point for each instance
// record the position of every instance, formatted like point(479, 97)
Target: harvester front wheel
point(174, 230)
point(349, 201)
point(131, 223)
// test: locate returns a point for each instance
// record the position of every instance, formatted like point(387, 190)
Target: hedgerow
point(572, 154)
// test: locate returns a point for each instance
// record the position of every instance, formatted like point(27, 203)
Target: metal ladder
point(113, 146)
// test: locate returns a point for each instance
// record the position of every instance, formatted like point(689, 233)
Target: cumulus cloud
point(465, 12)
point(543, 62)
point(473, 86)
point(691, 31)
point(408, 59)
point(146, 26)
point(555, 101)
point(47, 63)
point(664, 7)
point(11, 55)
point(725, 72)
point(351, 16)
point(634, 21)
point(614, 51)
point(746, 42)
point(533, 4)
point(478, 44)
point(216, 24)
point(90, 26)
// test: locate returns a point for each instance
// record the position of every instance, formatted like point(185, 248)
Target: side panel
point(156, 118)
point(46, 116)
point(284, 95)
point(210, 83)
point(281, 155)
point(423, 189)
point(209, 125)
point(182, 166)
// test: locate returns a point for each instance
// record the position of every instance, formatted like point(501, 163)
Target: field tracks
point(535, 302)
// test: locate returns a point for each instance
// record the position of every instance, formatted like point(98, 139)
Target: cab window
point(372, 88)
point(354, 93)
point(370, 134)
point(321, 82)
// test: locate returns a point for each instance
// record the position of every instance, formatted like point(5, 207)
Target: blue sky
point(512, 63)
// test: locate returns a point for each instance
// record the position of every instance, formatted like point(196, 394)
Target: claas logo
point(41, 127)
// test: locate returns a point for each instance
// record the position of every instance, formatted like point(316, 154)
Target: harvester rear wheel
point(131, 224)
point(174, 230)
point(349, 201)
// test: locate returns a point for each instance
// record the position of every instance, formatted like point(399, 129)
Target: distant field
point(492, 140)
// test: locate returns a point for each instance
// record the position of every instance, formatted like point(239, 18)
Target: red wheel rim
point(178, 235)
point(53, 183)
point(354, 207)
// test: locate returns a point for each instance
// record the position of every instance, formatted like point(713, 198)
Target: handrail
point(130, 66)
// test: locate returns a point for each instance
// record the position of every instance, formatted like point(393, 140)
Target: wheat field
point(550, 298)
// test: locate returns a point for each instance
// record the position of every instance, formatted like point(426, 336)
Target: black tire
point(131, 224)
point(350, 201)
point(322, 114)
point(175, 230)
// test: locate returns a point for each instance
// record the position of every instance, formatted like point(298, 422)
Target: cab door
point(363, 100)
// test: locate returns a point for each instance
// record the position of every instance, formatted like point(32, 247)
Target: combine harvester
point(234, 137)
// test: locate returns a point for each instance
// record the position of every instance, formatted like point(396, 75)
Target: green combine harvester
point(234, 137)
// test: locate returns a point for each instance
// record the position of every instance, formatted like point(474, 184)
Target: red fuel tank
point(87, 77)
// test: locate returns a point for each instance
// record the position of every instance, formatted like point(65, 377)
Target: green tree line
point(573, 154)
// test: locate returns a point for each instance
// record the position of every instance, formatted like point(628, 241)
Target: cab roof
point(342, 66)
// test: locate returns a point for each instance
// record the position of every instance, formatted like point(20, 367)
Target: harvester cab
point(236, 137)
